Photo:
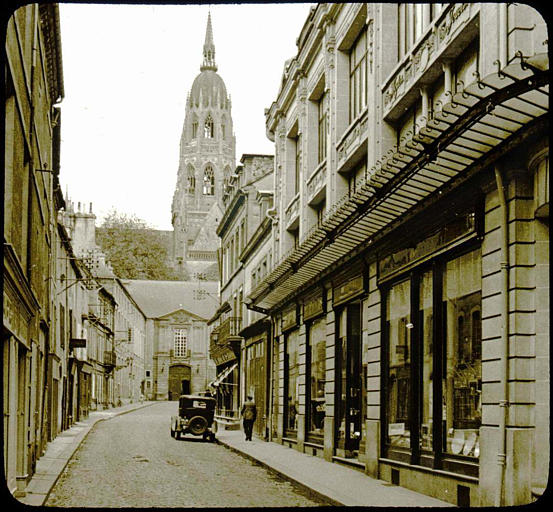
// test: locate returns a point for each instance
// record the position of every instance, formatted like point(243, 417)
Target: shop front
point(314, 316)
point(347, 303)
point(256, 357)
point(431, 313)
point(226, 387)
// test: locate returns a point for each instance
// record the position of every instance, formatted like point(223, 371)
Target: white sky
point(127, 70)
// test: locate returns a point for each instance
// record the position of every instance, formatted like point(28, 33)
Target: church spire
point(209, 48)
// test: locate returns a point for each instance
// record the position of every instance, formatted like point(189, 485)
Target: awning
point(222, 376)
point(478, 124)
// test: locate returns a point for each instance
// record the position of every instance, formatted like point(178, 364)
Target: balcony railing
point(110, 358)
point(292, 211)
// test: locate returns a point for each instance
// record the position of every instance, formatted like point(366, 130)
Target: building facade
point(176, 346)
point(242, 216)
point(34, 85)
point(408, 295)
point(206, 159)
point(129, 342)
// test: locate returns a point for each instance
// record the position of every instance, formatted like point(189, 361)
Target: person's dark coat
point(249, 410)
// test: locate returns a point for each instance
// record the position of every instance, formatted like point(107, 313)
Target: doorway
point(348, 382)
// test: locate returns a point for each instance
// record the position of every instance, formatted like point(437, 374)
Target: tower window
point(209, 181)
point(208, 128)
point(194, 129)
point(191, 181)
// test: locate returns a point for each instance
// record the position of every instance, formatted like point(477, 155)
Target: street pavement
point(338, 484)
point(132, 461)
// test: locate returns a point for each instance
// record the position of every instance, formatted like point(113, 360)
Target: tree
point(134, 249)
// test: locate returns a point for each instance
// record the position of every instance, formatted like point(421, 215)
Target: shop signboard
point(446, 237)
point(313, 307)
point(348, 290)
point(289, 319)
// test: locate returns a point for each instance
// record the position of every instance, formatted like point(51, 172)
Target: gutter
point(504, 362)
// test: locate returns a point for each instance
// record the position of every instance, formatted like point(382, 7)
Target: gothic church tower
point(207, 155)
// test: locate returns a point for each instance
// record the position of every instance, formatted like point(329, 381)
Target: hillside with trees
point(134, 249)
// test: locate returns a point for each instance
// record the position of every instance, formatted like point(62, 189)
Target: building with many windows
point(246, 198)
point(33, 88)
point(409, 289)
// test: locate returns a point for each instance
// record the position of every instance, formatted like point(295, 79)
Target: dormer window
point(208, 128)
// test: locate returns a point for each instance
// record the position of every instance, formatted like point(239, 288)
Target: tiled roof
point(159, 298)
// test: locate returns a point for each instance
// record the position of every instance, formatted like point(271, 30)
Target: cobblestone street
point(132, 461)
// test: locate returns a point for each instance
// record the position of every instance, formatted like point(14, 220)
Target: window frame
point(358, 76)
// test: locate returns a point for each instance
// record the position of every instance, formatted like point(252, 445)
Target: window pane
point(463, 374)
point(292, 373)
point(317, 346)
point(399, 358)
point(425, 323)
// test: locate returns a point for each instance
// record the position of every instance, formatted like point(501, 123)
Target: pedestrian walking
point(249, 413)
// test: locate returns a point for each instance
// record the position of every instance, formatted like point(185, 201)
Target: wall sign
point(313, 307)
point(289, 319)
point(224, 356)
point(348, 290)
point(446, 236)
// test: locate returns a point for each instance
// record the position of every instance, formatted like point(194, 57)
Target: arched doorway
point(179, 380)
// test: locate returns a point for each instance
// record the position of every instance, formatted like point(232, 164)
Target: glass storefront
point(317, 377)
point(291, 372)
point(462, 384)
point(399, 362)
point(433, 364)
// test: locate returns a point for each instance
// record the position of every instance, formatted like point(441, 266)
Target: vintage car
point(196, 417)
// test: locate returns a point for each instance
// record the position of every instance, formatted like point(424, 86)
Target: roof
point(159, 298)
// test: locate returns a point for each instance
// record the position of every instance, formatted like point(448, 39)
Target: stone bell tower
point(207, 157)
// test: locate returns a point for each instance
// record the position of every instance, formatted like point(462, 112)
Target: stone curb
point(74, 446)
point(319, 495)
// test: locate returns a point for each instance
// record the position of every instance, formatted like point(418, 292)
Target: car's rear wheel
point(197, 425)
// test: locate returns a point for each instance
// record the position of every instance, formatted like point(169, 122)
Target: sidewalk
point(58, 452)
point(334, 482)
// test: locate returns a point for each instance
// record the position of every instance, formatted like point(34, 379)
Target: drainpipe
point(504, 363)
point(503, 34)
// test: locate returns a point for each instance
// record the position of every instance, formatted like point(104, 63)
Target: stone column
point(330, 379)
point(373, 357)
point(301, 387)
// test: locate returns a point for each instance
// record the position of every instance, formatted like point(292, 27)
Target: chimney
point(90, 208)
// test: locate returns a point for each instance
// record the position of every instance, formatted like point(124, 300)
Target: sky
point(127, 71)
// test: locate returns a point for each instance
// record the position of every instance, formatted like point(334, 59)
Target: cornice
point(230, 211)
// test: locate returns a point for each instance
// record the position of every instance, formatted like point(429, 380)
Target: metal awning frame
point(469, 115)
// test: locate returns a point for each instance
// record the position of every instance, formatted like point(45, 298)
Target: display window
point(462, 384)
point(317, 377)
point(399, 362)
point(432, 380)
point(291, 372)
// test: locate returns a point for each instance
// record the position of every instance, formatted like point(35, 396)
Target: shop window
point(425, 329)
point(317, 376)
point(291, 371)
point(442, 350)
point(397, 320)
point(463, 373)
